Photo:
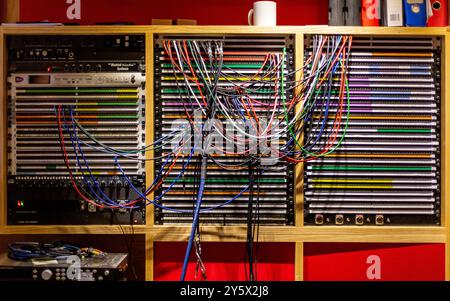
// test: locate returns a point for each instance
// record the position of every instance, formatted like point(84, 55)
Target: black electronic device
point(100, 80)
point(109, 267)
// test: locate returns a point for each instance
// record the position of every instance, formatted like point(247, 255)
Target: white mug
point(263, 13)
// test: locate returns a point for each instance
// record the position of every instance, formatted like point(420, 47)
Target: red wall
point(206, 12)
point(352, 261)
point(2, 10)
point(225, 261)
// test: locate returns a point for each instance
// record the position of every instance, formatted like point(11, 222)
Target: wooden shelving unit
point(298, 234)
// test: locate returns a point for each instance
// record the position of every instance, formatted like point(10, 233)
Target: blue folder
point(415, 12)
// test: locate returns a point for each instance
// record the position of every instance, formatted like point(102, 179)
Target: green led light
point(176, 91)
point(377, 168)
point(117, 103)
point(79, 91)
point(117, 116)
point(227, 180)
point(404, 130)
point(236, 66)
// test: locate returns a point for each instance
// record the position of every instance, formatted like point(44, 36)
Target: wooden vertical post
point(299, 261)
point(149, 119)
point(3, 130)
point(445, 151)
point(10, 11)
point(298, 179)
point(149, 165)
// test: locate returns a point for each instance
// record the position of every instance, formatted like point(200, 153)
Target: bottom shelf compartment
point(374, 261)
point(132, 244)
point(224, 261)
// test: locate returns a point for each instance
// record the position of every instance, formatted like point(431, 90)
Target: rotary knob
point(46, 274)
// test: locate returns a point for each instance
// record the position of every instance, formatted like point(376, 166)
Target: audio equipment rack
point(243, 57)
point(100, 81)
point(301, 232)
point(387, 170)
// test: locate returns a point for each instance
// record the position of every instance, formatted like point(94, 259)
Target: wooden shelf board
point(267, 233)
point(91, 229)
point(308, 234)
point(321, 29)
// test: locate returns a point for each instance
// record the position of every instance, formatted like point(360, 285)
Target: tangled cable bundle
point(217, 103)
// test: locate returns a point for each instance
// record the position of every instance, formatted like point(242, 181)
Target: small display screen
point(39, 79)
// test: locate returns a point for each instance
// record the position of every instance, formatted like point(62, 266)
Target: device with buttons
point(101, 80)
point(111, 267)
point(77, 54)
